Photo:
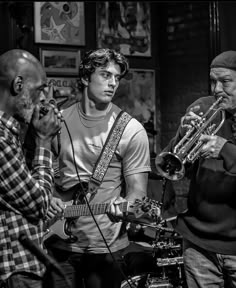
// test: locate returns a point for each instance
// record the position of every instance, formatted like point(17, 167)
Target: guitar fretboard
point(74, 211)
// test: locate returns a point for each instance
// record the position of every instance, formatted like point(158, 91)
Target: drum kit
point(166, 247)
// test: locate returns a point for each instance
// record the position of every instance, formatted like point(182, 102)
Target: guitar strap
point(108, 150)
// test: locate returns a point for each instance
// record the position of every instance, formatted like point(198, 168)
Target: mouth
point(109, 93)
point(223, 98)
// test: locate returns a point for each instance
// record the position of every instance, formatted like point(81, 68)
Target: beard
point(24, 109)
point(228, 104)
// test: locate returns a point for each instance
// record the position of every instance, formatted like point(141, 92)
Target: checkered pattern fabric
point(24, 199)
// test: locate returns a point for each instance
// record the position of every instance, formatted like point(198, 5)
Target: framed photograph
point(66, 90)
point(124, 26)
point(136, 95)
point(59, 23)
point(59, 62)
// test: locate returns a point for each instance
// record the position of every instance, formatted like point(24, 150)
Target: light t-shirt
point(89, 135)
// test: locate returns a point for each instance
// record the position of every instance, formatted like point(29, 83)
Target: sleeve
point(228, 154)
point(22, 191)
point(136, 158)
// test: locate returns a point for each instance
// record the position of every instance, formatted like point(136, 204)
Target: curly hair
point(100, 58)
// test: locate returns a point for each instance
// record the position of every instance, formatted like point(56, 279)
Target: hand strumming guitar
point(57, 206)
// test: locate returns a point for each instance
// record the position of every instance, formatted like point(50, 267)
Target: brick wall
point(183, 70)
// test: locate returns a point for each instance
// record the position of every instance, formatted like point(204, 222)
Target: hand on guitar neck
point(116, 210)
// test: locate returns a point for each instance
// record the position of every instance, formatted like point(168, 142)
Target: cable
point(91, 212)
point(48, 261)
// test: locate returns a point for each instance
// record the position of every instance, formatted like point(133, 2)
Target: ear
point(85, 81)
point(17, 85)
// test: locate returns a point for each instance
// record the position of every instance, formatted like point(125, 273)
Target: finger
point(193, 116)
point(195, 108)
point(59, 115)
point(112, 208)
point(187, 126)
point(118, 211)
point(205, 138)
point(36, 113)
point(50, 214)
point(56, 208)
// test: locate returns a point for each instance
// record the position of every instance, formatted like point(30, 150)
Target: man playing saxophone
point(208, 226)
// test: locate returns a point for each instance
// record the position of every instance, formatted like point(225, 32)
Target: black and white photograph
point(118, 144)
point(64, 62)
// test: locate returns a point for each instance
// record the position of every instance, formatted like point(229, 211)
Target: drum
point(147, 280)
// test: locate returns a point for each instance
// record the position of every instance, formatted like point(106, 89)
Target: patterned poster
point(136, 95)
point(65, 90)
point(125, 27)
point(59, 23)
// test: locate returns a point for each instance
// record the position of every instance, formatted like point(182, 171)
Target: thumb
point(36, 113)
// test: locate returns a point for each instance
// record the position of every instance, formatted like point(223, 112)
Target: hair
point(100, 58)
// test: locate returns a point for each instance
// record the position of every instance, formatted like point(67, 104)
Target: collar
point(12, 124)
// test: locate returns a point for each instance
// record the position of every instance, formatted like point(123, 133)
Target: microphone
point(47, 260)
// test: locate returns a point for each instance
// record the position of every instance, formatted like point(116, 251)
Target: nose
point(217, 87)
point(112, 81)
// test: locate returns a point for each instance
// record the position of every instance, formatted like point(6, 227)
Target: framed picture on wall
point(124, 26)
point(66, 90)
point(60, 62)
point(59, 23)
point(136, 95)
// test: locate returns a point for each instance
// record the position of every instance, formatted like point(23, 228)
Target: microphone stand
point(164, 181)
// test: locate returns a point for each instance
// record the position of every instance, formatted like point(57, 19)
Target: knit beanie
point(226, 59)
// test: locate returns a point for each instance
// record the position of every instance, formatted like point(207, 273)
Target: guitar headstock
point(146, 207)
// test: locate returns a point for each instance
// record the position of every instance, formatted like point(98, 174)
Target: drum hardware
point(169, 261)
point(147, 280)
point(165, 250)
point(168, 271)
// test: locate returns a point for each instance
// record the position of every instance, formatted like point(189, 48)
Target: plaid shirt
point(24, 199)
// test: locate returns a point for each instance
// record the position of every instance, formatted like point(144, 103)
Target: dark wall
point(183, 61)
point(179, 44)
point(227, 24)
point(181, 36)
point(20, 15)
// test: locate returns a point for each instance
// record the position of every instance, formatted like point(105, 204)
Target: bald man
point(24, 194)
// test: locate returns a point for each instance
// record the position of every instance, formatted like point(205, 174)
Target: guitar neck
point(74, 211)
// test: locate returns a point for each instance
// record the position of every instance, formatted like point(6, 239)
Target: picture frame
point(125, 27)
point(60, 62)
point(59, 23)
point(136, 95)
point(66, 90)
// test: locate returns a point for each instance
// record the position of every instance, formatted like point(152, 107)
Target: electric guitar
point(60, 225)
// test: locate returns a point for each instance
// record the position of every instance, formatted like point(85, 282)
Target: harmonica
point(45, 107)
